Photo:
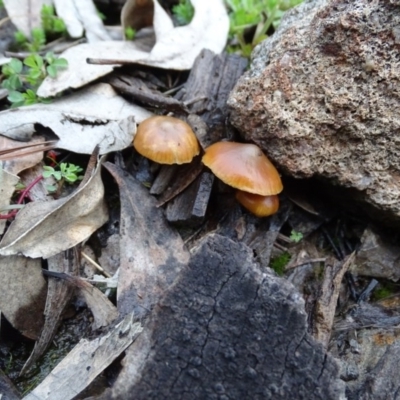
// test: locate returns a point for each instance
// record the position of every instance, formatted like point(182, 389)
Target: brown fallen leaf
point(44, 229)
point(23, 294)
point(152, 252)
point(59, 293)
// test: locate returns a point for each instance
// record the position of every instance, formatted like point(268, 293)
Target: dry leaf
point(18, 163)
point(137, 14)
point(7, 188)
point(104, 312)
point(70, 16)
point(175, 48)
point(97, 115)
point(151, 265)
point(25, 14)
point(81, 16)
point(43, 229)
point(85, 362)
point(23, 294)
point(59, 293)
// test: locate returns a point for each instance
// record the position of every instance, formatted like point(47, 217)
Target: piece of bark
point(259, 234)
point(85, 362)
point(222, 72)
point(184, 175)
point(138, 90)
point(189, 208)
point(207, 99)
point(152, 252)
point(325, 306)
point(164, 177)
point(7, 390)
point(59, 294)
point(226, 330)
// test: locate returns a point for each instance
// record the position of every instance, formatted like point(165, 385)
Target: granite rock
point(322, 97)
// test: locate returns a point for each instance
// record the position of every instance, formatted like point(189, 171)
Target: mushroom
point(245, 167)
point(260, 206)
point(166, 140)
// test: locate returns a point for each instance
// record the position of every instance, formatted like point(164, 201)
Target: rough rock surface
point(322, 97)
point(226, 330)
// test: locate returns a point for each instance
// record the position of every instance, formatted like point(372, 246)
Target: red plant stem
point(24, 193)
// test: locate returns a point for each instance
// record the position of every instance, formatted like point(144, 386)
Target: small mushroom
point(245, 167)
point(166, 140)
point(260, 206)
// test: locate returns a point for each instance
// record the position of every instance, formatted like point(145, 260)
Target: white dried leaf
point(175, 48)
point(25, 14)
point(97, 115)
point(43, 229)
point(79, 73)
point(69, 14)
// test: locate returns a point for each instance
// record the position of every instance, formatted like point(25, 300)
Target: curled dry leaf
point(23, 294)
point(137, 14)
point(82, 120)
point(175, 47)
point(43, 229)
point(25, 14)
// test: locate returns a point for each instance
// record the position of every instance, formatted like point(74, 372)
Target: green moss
point(383, 291)
point(278, 264)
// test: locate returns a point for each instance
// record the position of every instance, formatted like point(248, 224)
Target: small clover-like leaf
point(52, 71)
point(16, 97)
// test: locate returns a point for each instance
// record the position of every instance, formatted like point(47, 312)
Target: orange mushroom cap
point(260, 206)
point(166, 140)
point(244, 167)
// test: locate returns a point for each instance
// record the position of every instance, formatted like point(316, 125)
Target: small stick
point(94, 263)
point(299, 264)
point(107, 61)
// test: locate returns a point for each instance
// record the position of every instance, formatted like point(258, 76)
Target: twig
point(94, 263)
point(311, 261)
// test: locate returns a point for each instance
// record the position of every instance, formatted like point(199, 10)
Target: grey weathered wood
point(206, 98)
point(85, 362)
point(138, 90)
point(226, 329)
point(163, 179)
point(189, 208)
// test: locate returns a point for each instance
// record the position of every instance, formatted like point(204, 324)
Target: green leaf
point(15, 97)
point(52, 71)
point(130, 33)
point(16, 65)
point(60, 63)
point(183, 12)
point(20, 38)
point(59, 25)
point(296, 236)
point(12, 83)
point(50, 57)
